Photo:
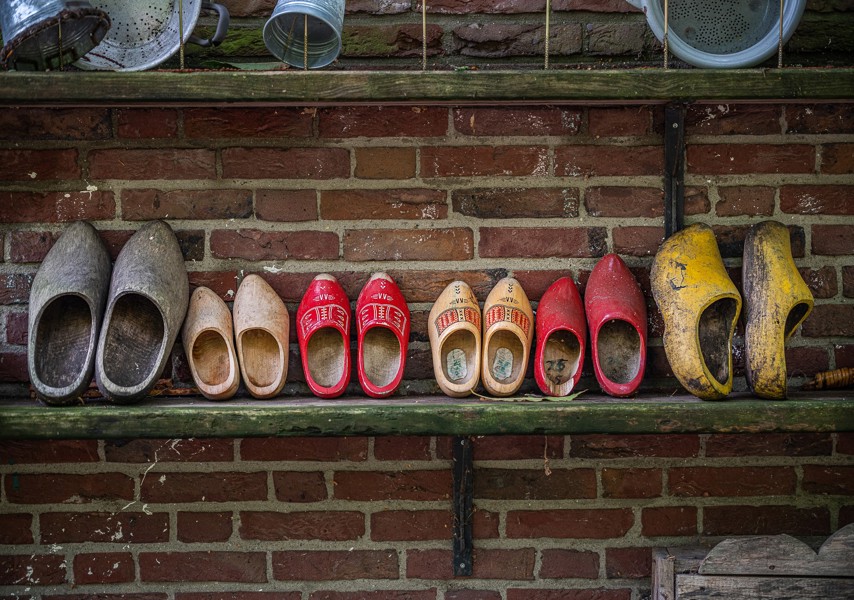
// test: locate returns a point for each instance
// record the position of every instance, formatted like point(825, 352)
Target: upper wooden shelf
point(651, 85)
point(183, 418)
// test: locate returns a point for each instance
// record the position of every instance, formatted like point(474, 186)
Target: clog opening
point(504, 356)
point(796, 315)
point(211, 358)
point(458, 357)
point(380, 356)
point(262, 361)
point(326, 357)
point(561, 356)
point(618, 349)
point(715, 332)
point(133, 341)
point(63, 337)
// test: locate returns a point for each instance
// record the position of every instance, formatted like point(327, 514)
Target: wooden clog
point(776, 302)
point(561, 339)
point(508, 331)
point(261, 328)
point(700, 306)
point(323, 332)
point(382, 324)
point(616, 318)
point(67, 301)
point(454, 331)
point(148, 299)
point(208, 338)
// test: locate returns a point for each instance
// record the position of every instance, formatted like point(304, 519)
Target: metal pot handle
point(221, 26)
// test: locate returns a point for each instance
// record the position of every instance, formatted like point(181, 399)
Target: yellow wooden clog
point(454, 330)
point(508, 332)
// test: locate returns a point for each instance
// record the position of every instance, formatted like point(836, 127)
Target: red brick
point(669, 521)
point(13, 367)
point(528, 121)
point(769, 444)
point(697, 200)
point(32, 569)
point(831, 480)
point(402, 447)
point(39, 165)
point(628, 563)
point(245, 122)
point(286, 205)
point(817, 199)
point(285, 163)
point(637, 240)
point(103, 527)
point(629, 446)
point(146, 204)
point(51, 207)
point(542, 242)
point(147, 123)
point(54, 488)
point(614, 39)
point(103, 567)
point(383, 204)
point(574, 523)
point(393, 485)
point(485, 6)
point(476, 161)
point(299, 486)
point(224, 283)
point(830, 320)
point(624, 202)
point(619, 121)
point(569, 594)
point(733, 119)
point(303, 525)
point(335, 565)
point(16, 529)
point(305, 449)
point(559, 563)
point(472, 595)
point(833, 240)
point(238, 596)
point(534, 484)
point(742, 159)
point(16, 452)
point(837, 159)
point(819, 118)
point(631, 483)
point(821, 281)
point(148, 596)
point(410, 525)
point(382, 121)
point(392, 39)
point(745, 200)
point(765, 520)
point(204, 526)
point(30, 246)
point(152, 163)
point(516, 564)
point(245, 567)
point(509, 203)
point(163, 450)
point(203, 487)
point(502, 40)
point(376, 595)
point(608, 6)
point(847, 282)
point(731, 241)
point(456, 243)
point(254, 244)
point(385, 163)
point(69, 124)
point(590, 161)
point(731, 481)
point(507, 447)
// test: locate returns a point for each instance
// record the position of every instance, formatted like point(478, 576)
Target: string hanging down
point(424, 35)
point(780, 41)
point(181, 33)
point(548, 33)
point(666, 32)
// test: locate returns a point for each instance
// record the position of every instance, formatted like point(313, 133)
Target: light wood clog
point(454, 330)
point(208, 338)
point(261, 327)
point(508, 330)
point(67, 301)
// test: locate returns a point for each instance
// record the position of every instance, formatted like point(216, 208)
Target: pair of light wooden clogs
point(119, 323)
point(261, 329)
point(614, 310)
point(700, 306)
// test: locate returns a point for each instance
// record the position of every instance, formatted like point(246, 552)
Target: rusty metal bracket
point(674, 168)
point(463, 475)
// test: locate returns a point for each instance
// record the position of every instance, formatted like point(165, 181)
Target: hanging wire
point(305, 42)
point(181, 33)
point(424, 35)
point(780, 41)
point(548, 31)
point(666, 33)
point(59, 33)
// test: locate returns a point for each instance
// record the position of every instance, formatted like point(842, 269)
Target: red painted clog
point(382, 323)
point(323, 332)
point(616, 318)
point(561, 339)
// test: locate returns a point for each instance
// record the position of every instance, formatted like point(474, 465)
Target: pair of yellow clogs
point(700, 306)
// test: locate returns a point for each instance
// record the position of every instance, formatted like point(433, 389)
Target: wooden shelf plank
point(435, 87)
point(183, 418)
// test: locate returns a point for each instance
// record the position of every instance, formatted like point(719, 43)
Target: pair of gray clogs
point(122, 327)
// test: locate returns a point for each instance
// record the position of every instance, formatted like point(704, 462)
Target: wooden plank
point(689, 587)
point(182, 417)
point(663, 575)
point(442, 87)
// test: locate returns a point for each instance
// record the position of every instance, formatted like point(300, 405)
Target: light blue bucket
point(305, 33)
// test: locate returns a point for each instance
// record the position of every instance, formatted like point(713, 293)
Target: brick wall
point(350, 518)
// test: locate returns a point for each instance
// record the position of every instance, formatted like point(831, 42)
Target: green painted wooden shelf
point(24, 418)
point(581, 86)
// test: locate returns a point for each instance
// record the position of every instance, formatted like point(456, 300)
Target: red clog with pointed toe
point(323, 332)
point(382, 322)
point(561, 337)
point(616, 318)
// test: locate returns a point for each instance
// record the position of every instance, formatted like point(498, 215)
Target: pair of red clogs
point(323, 332)
point(614, 311)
